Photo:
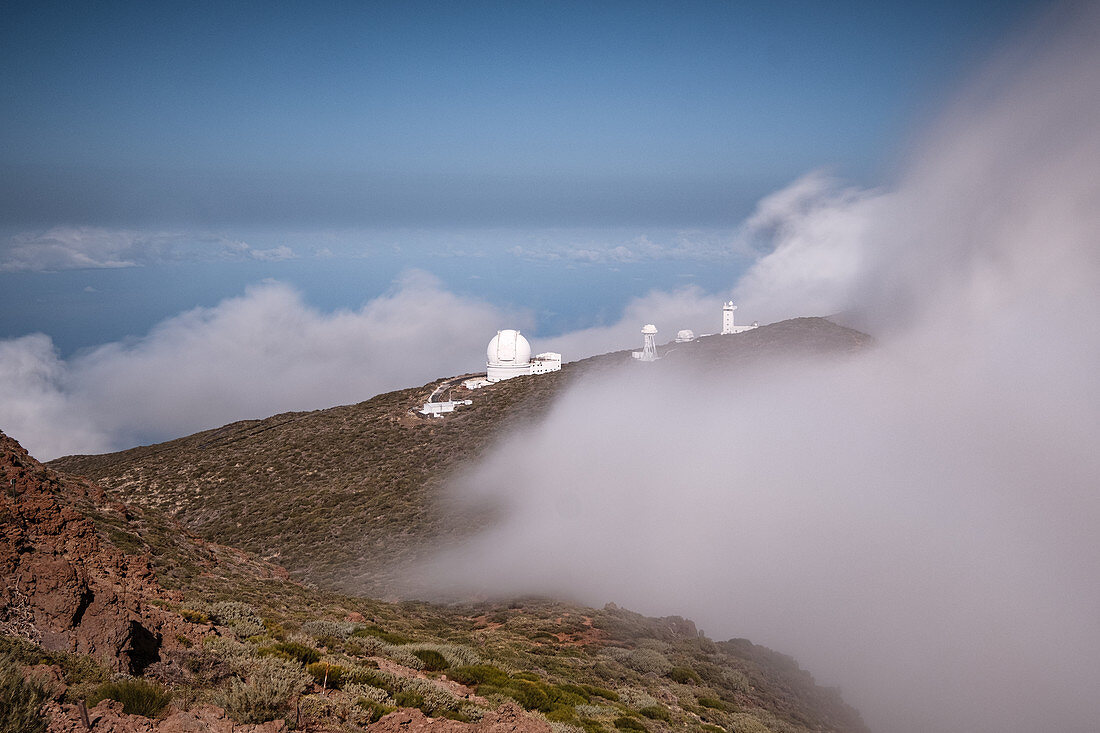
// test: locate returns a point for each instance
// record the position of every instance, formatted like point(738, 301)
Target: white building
point(685, 336)
point(437, 409)
point(548, 361)
point(509, 355)
point(649, 344)
point(727, 320)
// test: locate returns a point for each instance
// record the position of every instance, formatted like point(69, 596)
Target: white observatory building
point(727, 320)
point(509, 355)
point(649, 344)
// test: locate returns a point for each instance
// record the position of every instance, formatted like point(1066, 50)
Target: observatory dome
point(685, 335)
point(508, 355)
point(508, 347)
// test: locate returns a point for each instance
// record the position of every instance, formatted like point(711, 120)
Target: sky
point(158, 157)
point(212, 214)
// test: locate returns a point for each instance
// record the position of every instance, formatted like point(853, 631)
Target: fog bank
point(918, 524)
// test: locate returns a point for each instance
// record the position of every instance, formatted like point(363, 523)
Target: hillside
point(239, 646)
point(343, 497)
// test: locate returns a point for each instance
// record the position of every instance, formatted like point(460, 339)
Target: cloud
point(247, 357)
point(35, 406)
point(76, 248)
point(917, 525)
point(610, 247)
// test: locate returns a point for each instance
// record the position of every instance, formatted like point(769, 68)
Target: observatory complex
point(509, 355)
point(686, 335)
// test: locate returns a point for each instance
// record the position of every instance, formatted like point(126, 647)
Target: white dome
point(685, 335)
point(508, 348)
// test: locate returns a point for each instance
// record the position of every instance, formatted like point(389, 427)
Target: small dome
point(685, 335)
point(649, 328)
point(508, 347)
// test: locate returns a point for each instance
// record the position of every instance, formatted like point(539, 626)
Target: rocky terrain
point(63, 586)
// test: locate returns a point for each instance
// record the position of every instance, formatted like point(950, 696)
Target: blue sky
point(224, 143)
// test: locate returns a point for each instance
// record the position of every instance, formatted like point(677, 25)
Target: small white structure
point(437, 409)
point(727, 320)
point(509, 355)
point(685, 336)
point(548, 361)
point(649, 346)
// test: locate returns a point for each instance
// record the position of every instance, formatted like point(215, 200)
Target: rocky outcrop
point(509, 718)
point(61, 585)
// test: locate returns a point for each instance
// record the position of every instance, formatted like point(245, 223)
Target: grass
point(138, 696)
point(20, 700)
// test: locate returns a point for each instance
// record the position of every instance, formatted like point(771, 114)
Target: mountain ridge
point(358, 483)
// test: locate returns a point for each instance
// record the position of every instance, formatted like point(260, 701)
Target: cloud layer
point(268, 351)
point(78, 248)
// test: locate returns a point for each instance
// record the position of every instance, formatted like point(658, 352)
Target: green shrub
point(636, 698)
point(529, 676)
point(80, 668)
point(656, 712)
point(606, 694)
point(138, 696)
point(713, 703)
point(649, 661)
point(578, 690)
point(625, 723)
point(271, 684)
point(433, 698)
point(21, 651)
point(379, 633)
point(20, 700)
point(559, 695)
point(685, 676)
point(530, 695)
point(408, 699)
point(329, 629)
point(456, 655)
point(476, 674)
point(562, 714)
point(292, 650)
point(195, 617)
point(372, 678)
point(375, 710)
point(329, 676)
point(595, 711)
point(239, 617)
point(367, 692)
point(433, 660)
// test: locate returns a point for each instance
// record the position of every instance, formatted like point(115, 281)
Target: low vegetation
point(20, 700)
point(138, 696)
